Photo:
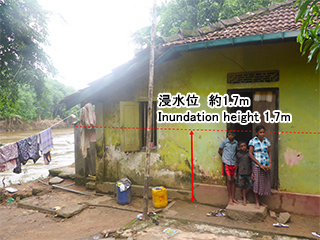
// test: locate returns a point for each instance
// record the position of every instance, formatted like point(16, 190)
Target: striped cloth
point(46, 143)
point(261, 185)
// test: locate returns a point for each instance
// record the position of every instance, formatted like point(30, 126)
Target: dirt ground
point(22, 223)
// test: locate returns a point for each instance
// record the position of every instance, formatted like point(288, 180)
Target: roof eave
point(174, 49)
point(225, 42)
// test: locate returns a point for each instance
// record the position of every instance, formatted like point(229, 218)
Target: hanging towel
point(46, 144)
point(28, 148)
point(8, 152)
point(45, 139)
point(87, 118)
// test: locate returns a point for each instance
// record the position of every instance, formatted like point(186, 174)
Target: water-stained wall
point(203, 72)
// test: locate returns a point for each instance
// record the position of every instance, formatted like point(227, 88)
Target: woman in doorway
point(259, 152)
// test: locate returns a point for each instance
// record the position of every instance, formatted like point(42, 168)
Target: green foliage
point(29, 107)
point(142, 38)
point(234, 8)
point(309, 37)
point(187, 14)
point(25, 107)
point(23, 33)
point(193, 14)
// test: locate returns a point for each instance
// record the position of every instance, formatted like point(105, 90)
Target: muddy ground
point(188, 218)
point(22, 223)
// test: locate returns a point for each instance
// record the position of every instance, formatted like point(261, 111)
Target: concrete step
point(63, 172)
point(91, 185)
point(246, 213)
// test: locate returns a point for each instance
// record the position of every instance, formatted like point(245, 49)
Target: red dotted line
point(185, 129)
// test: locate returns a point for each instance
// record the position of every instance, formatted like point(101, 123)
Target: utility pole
point(149, 124)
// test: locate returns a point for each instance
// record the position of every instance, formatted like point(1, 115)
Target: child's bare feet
point(235, 201)
point(244, 202)
point(230, 202)
point(257, 206)
point(262, 204)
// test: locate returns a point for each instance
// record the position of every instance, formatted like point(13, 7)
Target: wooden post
point(149, 124)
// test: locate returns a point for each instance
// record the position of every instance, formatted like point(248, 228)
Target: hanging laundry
point(46, 144)
point(28, 148)
point(14, 154)
point(87, 118)
point(45, 139)
point(8, 152)
point(47, 158)
point(8, 156)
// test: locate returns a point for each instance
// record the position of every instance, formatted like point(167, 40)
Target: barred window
point(253, 77)
point(144, 118)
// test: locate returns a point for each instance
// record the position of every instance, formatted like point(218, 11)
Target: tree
point(193, 14)
point(187, 14)
point(309, 36)
point(23, 33)
point(29, 108)
point(234, 8)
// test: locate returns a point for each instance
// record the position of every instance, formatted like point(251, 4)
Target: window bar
point(144, 124)
point(154, 124)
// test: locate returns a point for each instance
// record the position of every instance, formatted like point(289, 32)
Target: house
point(252, 62)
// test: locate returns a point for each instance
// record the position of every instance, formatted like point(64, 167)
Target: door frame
point(275, 155)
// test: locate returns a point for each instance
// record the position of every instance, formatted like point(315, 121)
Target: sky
point(90, 38)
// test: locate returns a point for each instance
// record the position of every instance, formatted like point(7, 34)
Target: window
point(144, 124)
point(133, 126)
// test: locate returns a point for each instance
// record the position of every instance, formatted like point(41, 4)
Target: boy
point(244, 166)
point(227, 151)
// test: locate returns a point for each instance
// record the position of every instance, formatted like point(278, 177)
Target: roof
point(279, 17)
point(276, 22)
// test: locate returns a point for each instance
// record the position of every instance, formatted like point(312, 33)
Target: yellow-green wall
point(203, 72)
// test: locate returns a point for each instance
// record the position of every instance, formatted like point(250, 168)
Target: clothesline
point(71, 115)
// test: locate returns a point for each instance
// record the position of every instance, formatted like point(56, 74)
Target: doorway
point(261, 99)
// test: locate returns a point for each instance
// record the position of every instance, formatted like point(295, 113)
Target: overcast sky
point(94, 38)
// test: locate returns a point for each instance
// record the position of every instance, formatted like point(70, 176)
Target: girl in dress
point(259, 152)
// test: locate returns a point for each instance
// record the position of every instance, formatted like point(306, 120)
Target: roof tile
point(279, 17)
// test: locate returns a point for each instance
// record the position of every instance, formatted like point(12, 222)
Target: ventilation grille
point(253, 77)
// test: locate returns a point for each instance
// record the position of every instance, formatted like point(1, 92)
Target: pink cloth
point(8, 152)
point(11, 164)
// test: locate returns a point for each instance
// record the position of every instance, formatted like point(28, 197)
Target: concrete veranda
point(299, 225)
point(192, 217)
point(191, 222)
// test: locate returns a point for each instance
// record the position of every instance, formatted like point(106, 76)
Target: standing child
point(244, 167)
point(227, 151)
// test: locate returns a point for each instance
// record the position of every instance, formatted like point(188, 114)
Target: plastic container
point(159, 197)
point(124, 197)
